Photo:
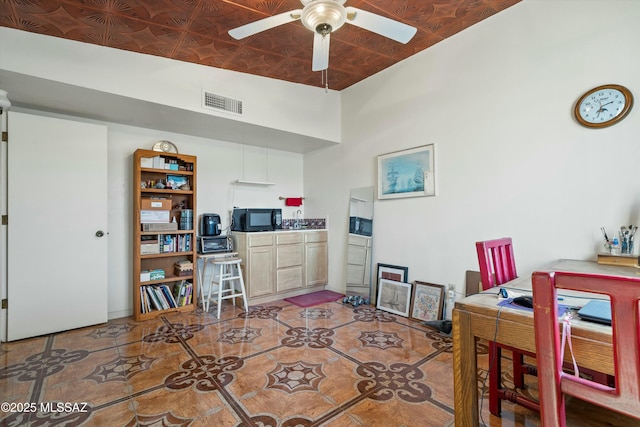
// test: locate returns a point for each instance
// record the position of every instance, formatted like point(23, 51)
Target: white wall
point(219, 163)
point(496, 100)
point(292, 108)
point(299, 109)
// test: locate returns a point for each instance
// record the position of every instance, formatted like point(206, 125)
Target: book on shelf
point(168, 296)
point(156, 297)
point(189, 296)
point(147, 303)
point(143, 301)
point(176, 290)
point(174, 242)
point(182, 292)
point(166, 301)
point(155, 302)
point(161, 298)
point(179, 292)
point(166, 243)
point(184, 242)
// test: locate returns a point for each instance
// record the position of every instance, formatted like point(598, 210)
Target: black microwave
point(362, 226)
point(256, 219)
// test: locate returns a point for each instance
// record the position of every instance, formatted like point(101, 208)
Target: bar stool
point(225, 272)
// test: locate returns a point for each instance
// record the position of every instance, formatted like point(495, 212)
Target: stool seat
point(227, 280)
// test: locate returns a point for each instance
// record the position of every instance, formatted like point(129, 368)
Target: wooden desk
point(477, 316)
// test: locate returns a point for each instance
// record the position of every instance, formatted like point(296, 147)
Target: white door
point(57, 208)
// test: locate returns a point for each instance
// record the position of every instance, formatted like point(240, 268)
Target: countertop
point(284, 230)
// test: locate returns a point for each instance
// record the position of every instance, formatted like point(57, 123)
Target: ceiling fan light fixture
point(324, 16)
point(323, 29)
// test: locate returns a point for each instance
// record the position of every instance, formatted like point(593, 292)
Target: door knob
point(99, 233)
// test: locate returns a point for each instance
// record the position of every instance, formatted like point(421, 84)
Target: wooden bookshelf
point(162, 247)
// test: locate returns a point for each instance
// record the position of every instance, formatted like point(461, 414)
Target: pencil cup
point(614, 248)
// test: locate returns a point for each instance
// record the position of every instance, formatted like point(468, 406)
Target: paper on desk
point(509, 304)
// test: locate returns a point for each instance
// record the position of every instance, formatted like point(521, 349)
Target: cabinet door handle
point(99, 233)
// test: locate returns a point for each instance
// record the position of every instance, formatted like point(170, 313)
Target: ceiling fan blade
point(320, 52)
point(264, 24)
point(389, 28)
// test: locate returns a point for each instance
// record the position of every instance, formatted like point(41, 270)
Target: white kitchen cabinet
point(316, 258)
point(258, 262)
point(281, 264)
point(289, 261)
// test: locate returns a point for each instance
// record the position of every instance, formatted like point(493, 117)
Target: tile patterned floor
point(275, 365)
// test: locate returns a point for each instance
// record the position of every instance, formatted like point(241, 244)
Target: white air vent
point(221, 103)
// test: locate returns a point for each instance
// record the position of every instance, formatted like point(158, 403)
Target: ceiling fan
point(323, 17)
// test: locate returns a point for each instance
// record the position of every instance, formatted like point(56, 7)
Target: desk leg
point(465, 368)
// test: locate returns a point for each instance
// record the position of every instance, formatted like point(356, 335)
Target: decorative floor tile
point(178, 406)
point(276, 364)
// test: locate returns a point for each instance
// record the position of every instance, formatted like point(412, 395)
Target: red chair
point(624, 396)
point(498, 266)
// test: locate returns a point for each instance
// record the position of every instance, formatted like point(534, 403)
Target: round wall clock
point(603, 106)
point(166, 146)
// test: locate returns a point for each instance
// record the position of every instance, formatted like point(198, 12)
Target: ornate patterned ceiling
point(196, 31)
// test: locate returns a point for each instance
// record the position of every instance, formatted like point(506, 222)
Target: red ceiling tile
point(197, 31)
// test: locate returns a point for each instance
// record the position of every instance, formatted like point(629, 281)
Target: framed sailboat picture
point(394, 297)
point(407, 173)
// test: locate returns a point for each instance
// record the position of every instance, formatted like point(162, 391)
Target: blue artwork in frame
point(407, 173)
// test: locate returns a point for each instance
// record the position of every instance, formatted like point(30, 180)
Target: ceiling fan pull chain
point(325, 77)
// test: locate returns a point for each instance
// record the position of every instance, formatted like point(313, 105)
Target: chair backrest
point(624, 293)
point(497, 264)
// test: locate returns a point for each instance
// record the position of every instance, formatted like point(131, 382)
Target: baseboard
point(119, 314)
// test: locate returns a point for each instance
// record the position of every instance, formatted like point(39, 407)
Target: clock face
point(166, 146)
point(603, 106)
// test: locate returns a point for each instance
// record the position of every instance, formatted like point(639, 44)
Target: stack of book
point(156, 297)
point(174, 243)
point(183, 268)
point(183, 293)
